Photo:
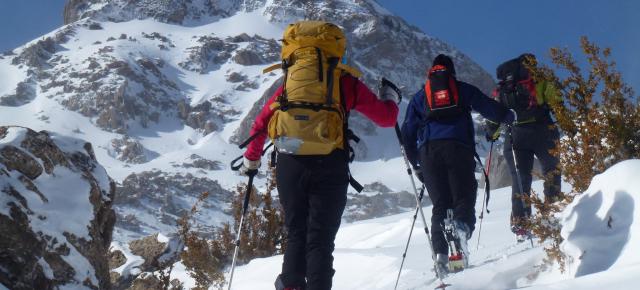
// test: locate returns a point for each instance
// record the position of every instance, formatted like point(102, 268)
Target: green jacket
point(546, 93)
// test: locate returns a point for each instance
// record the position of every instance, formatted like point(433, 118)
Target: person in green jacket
point(534, 133)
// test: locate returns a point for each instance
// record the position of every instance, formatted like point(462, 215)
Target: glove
point(249, 167)
point(386, 93)
point(418, 173)
point(491, 131)
point(510, 118)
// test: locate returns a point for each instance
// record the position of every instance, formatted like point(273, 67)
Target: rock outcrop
point(56, 219)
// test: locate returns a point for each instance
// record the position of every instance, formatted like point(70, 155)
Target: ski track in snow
point(368, 255)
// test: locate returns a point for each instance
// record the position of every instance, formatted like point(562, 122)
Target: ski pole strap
point(487, 188)
point(235, 165)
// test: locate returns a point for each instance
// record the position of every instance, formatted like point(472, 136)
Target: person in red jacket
point(313, 190)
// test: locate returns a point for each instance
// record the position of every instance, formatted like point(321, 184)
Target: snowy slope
point(368, 253)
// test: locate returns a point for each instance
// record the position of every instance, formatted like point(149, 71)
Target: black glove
point(491, 131)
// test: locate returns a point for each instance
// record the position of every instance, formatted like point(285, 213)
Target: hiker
point(307, 120)
point(439, 135)
point(534, 133)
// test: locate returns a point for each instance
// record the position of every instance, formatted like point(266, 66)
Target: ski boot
point(521, 234)
point(456, 233)
point(442, 265)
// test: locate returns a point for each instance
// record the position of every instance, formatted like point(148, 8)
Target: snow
point(181, 273)
point(14, 137)
point(368, 253)
point(46, 268)
point(133, 262)
point(10, 77)
point(606, 214)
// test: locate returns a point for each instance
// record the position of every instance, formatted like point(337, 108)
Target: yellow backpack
point(309, 117)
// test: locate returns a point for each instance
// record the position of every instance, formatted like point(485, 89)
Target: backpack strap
point(333, 63)
point(350, 70)
point(349, 135)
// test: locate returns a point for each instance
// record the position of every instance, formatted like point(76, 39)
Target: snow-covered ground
point(368, 253)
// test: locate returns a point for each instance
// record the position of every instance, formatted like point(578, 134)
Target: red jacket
point(360, 98)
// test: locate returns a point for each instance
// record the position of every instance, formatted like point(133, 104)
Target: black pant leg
point(437, 184)
point(461, 165)
point(508, 157)
point(327, 200)
point(290, 178)
point(522, 142)
point(550, 163)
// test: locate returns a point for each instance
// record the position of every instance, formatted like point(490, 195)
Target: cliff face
point(56, 219)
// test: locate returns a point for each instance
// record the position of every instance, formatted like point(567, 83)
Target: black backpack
point(441, 93)
point(516, 89)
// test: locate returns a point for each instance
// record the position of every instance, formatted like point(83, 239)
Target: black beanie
point(445, 61)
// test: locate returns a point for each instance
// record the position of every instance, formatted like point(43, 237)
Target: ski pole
point(487, 171)
point(383, 84)
point(518, 178)
point(245, 206)
point(418, 202)
point(406, 248)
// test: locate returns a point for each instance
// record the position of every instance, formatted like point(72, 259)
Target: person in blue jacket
point(438, 133)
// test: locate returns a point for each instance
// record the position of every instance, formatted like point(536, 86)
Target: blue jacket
point(417, 130)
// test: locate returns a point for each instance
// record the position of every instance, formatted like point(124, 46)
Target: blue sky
point(24, 20)
point(489, 31)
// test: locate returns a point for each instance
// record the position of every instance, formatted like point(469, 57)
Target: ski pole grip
point(247, 195)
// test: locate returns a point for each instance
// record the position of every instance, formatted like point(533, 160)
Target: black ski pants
point(529, 140)
point(448, 168)
point(313, 194)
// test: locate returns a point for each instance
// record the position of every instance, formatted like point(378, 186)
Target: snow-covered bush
point(600, 119)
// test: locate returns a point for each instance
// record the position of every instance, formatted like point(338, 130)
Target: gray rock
point(198, 161)
point(25, 93)
point(32, 259)
point(129, 150)
point(167, 196)
point(366, 206)
point(236, 77)
point(209, 55)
